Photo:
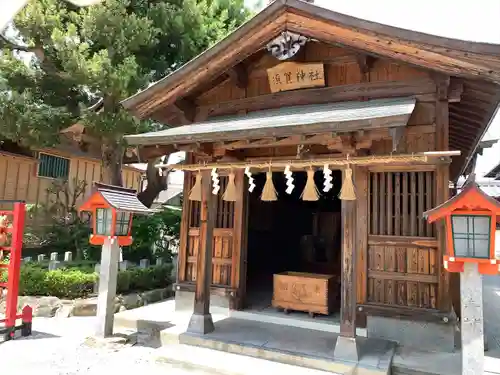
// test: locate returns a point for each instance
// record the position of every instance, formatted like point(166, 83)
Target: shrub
point(138, 279)
point(78, 283)
point(36, 281)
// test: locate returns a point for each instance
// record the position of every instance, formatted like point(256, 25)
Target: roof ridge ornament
point(286, 45)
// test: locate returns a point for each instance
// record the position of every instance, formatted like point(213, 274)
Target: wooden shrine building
point(388, 116)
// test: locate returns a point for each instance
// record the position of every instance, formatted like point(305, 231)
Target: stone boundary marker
point(49, 307)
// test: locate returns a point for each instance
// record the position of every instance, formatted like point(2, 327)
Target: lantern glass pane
point(122, 223)
point(103, 221)
point(471, 236)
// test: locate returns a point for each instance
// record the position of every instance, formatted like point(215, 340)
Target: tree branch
point(156, 184)
point(4, 42)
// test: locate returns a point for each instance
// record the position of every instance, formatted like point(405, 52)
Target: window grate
point(53, 166)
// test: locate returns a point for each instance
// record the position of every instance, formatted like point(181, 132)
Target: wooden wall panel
point(387, 70)
point(403, 259)
point(341, 68)
point(405, 276)
point(19, 180)
point(342, 74)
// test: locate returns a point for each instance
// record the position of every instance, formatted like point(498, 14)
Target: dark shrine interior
point(290, 234)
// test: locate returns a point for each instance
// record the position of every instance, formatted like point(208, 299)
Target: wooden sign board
point(291, 76)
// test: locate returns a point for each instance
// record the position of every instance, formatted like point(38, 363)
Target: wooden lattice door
point(222, 255)
point(402, 256)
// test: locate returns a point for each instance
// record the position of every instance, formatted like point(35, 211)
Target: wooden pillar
point(184, 230)
point(238, 274)
point(361, 249)
point(201, 321)
point(346, 347)
point(445, 294)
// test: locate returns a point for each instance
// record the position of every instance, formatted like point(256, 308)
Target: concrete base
point(346, 349)
point(184, 301)
point(458, 341)
point(293, 346)
point(432, 336)
point(201, 324)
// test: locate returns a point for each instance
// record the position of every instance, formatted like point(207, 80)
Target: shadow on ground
point(148, 333)
point(36, 335)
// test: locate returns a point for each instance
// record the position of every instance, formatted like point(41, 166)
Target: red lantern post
point(470, 218)
point(112, 209)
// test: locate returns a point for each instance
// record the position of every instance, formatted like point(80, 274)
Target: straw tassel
point(230, 193)
point(310, 192)
point(269, 192)
point(195, 193)
point(347, 192)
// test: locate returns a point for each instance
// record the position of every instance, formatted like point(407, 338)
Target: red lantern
point(470, 218)
point(112, 209)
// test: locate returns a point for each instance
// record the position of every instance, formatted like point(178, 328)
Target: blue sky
point(477, 20)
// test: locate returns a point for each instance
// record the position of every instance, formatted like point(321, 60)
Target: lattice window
point(53, 166)
point(224, 209)
point(398, 201)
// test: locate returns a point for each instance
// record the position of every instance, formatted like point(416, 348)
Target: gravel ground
point(60, 346)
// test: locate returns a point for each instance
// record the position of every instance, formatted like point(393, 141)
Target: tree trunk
point(111, 172)
point(156, 183)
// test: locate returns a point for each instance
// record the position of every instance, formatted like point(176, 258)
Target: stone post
point(108, 275)
point(158, 261)
point(144, 263)
point(124, 265)
point(68, 256)
point(471, 299)
point(40, 257)
point(97, 269)
point(53, 262)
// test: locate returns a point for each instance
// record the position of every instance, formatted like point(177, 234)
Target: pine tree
point(62, 65)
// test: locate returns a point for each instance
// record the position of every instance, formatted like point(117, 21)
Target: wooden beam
point(455, 91)
point(341, 93)
point(239, 75)
point(389, 47)
point(184, 230)
point(196, 148)
point(201, 320)
point(152, 152)
point(212, 68)
point(442, 188)
point(365, 63)
point(238, 274)
point(187, 108)
point(345, 144)
point(349, 266)
point(362, 214)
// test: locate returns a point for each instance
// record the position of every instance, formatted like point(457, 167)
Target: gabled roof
point(494, 173)
point(478, 64)
point(471, 197)
point(452, 56)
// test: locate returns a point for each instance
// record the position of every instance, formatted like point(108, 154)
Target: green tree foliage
point(58, 60)
point(154, 236)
